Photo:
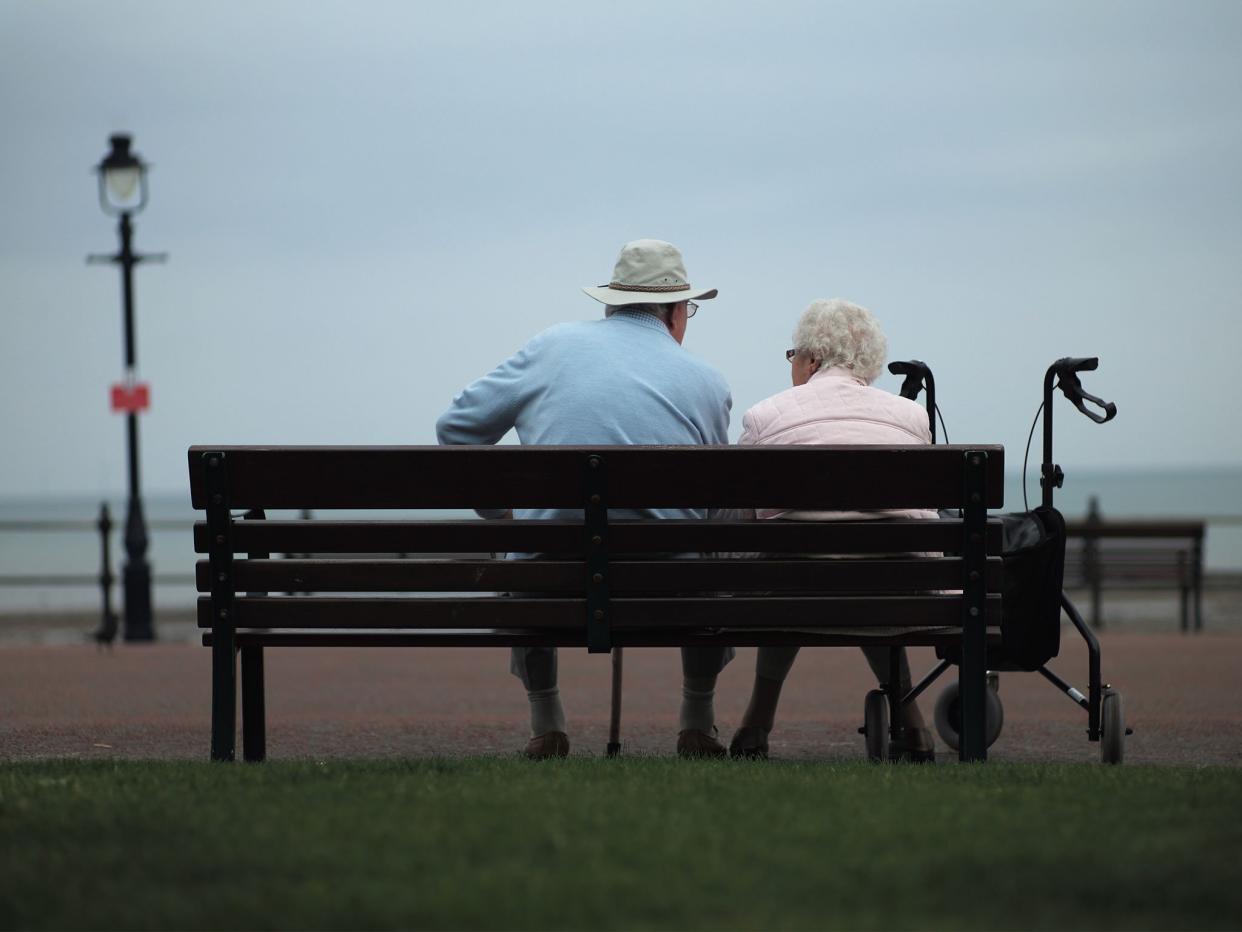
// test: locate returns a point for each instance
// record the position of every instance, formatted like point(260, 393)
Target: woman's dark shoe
point(749, 741)
point(914, 747)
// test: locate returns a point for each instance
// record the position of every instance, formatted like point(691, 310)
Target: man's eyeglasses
point(691, 307)
point(790, 354)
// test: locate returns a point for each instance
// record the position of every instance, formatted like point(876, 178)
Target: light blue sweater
point(620, 380)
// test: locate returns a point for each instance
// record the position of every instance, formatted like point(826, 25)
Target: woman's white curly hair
point(839, 333)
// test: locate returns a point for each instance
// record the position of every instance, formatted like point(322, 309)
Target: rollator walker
point(1034, 557)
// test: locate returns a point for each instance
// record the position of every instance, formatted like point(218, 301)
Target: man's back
point(620, 380)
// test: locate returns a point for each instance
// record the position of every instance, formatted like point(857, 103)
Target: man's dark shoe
point(750, 742)
point(548, 745)
point(695, 743)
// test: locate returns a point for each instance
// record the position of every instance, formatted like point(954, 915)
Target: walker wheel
point(948, 714)
point(875, 725)
point(1112, 728)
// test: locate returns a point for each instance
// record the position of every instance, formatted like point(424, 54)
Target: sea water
point(1212, 495)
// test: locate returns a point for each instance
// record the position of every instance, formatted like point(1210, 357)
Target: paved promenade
point(1183, 697)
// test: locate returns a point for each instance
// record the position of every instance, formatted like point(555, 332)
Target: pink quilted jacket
point(835, 406)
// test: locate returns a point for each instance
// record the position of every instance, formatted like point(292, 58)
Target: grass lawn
point(638, 843)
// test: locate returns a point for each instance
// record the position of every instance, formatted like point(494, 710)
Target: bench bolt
point(599, 614)
point(597, 578)
point(594, 499)
point(974, 612)
point(597, 540)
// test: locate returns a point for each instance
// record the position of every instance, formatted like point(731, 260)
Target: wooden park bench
point(1137, 554)
point(606, 581)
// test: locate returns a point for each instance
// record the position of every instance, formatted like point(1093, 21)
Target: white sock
point(697, 712)
point(546, 713)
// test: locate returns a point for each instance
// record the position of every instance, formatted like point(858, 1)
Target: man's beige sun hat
point(648, 271)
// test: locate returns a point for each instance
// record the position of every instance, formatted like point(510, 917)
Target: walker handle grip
point(1076, 364)
point(915, 371)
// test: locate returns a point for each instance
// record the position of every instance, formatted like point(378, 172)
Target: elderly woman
point(839, 350)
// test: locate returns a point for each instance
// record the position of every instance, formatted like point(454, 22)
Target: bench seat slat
point(566, 537)
point(390, 575)
point(692, 611)
point(565, 638)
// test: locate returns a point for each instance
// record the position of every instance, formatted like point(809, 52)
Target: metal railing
point(104, 578)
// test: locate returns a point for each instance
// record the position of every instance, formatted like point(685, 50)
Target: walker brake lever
point(1067, 370)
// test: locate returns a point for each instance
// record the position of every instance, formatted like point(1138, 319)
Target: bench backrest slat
point(567, 537)
point(625, 576)
point(828, 477)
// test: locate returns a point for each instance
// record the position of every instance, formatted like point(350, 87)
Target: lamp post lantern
point(122, 194)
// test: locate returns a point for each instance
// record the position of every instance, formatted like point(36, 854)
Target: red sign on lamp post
point(130, 399)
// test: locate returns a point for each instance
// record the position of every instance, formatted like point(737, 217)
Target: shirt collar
point(837, 372)
point(641, 319)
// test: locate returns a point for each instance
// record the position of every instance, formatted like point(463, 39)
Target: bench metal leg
point(223, 694)
point(972, 685)
point(254, 723)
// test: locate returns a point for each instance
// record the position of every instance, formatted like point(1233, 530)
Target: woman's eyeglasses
point(790, 354)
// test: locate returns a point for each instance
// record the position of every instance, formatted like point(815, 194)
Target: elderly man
point(624, 379)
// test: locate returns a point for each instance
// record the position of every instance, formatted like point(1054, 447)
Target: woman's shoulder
point(762, 415)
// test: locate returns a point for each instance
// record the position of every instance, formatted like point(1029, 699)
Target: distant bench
point(1137, 555)
point(611, 582)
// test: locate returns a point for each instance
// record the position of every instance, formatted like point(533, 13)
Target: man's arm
point(487, 408)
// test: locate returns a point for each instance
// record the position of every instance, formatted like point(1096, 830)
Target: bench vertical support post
point(972, 675)
point(594, 490)
point(1196, 570)
point(1183, 590)
point(254, 716)
point(223, 619)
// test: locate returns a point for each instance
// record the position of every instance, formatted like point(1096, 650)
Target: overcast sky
point(368, 205)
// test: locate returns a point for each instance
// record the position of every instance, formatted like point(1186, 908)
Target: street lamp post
point(122, 194)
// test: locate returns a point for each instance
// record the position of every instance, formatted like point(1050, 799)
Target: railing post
point(1091, 560)
point(106, 632)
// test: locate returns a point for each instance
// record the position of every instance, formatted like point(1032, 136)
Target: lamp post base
point(137, 581)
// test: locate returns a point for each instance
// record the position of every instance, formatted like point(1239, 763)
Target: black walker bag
point(1033, 550)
